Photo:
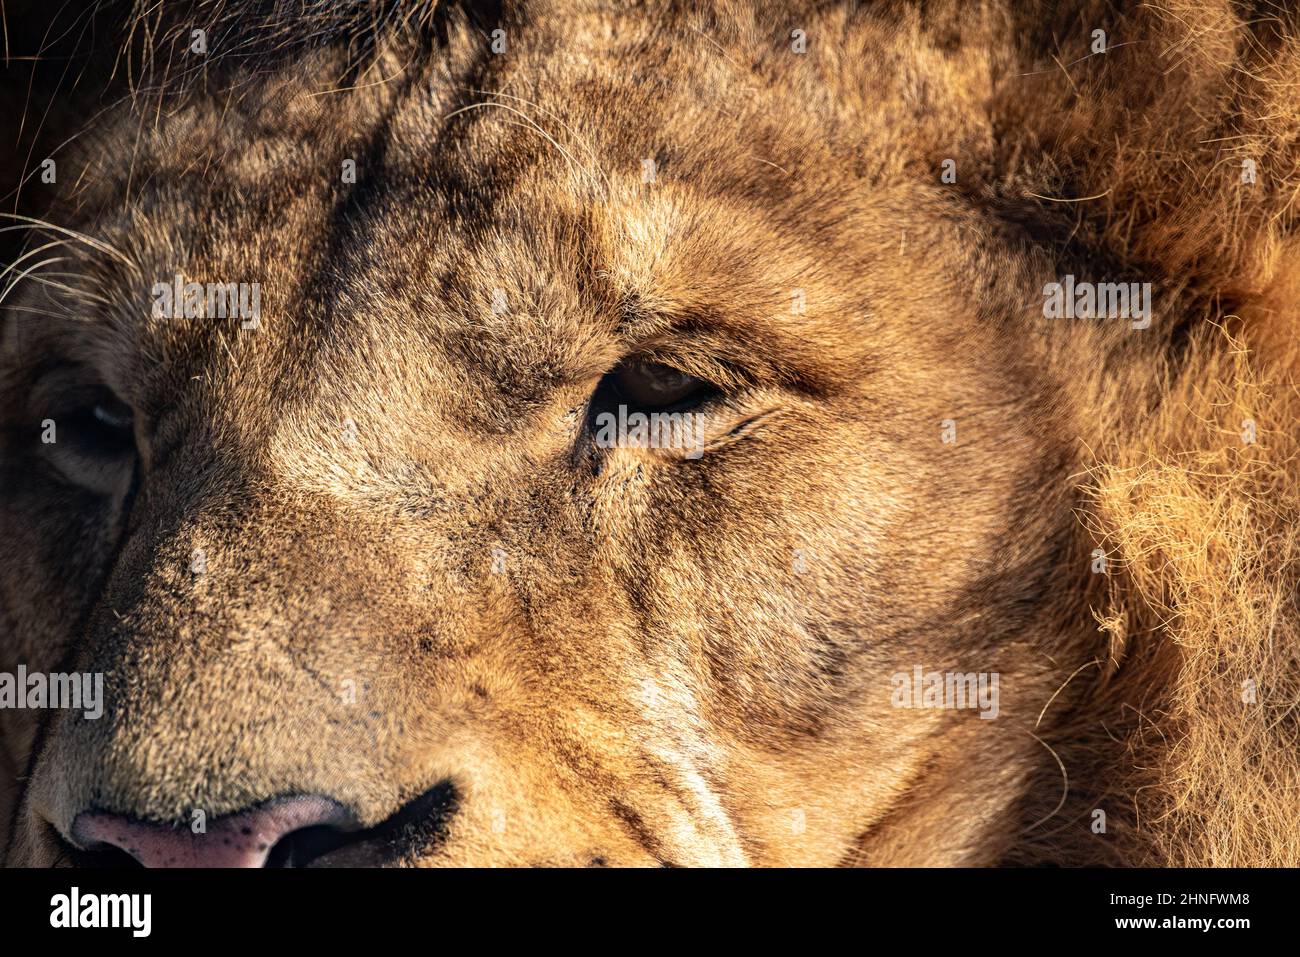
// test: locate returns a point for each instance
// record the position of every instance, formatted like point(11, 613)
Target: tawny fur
point(655, 678)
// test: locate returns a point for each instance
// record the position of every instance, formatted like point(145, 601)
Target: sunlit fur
point(675, 661)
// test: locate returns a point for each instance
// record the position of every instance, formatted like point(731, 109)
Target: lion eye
point(652, 385)
point(101, 429)
point(113, 415)
point(87, 434)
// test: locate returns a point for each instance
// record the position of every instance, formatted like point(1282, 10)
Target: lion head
point(561, 433)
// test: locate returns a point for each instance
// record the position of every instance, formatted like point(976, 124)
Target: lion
point(333, 340)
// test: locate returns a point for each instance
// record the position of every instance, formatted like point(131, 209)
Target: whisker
point(21, 276)
point(582, 141)
point(37, 312)
point(73, 291)
point(90, 241)
point(529, 123)
point(65, 275)
point(29, 254)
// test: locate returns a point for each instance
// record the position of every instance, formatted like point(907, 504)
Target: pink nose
point(237, 840)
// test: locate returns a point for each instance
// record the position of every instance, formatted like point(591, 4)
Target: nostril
point(416, 826)
point(286, 832)
point(247, 839)
point(94, 856)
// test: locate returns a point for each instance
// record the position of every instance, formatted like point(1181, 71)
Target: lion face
point(364, 577)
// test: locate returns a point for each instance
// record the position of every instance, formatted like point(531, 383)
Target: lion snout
point(246, 839)
point(308, 830)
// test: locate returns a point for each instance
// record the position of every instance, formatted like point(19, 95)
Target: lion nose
point(245, 839)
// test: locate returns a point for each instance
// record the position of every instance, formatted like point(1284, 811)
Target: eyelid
point(66, 389)
point(62, 388)
point(697, 364)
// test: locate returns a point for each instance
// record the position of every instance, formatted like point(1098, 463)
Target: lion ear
point(1167, 135)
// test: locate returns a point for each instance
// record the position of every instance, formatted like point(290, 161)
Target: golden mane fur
point(1163, 692)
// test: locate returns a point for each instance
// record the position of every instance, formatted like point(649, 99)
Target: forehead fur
point(604, 221)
